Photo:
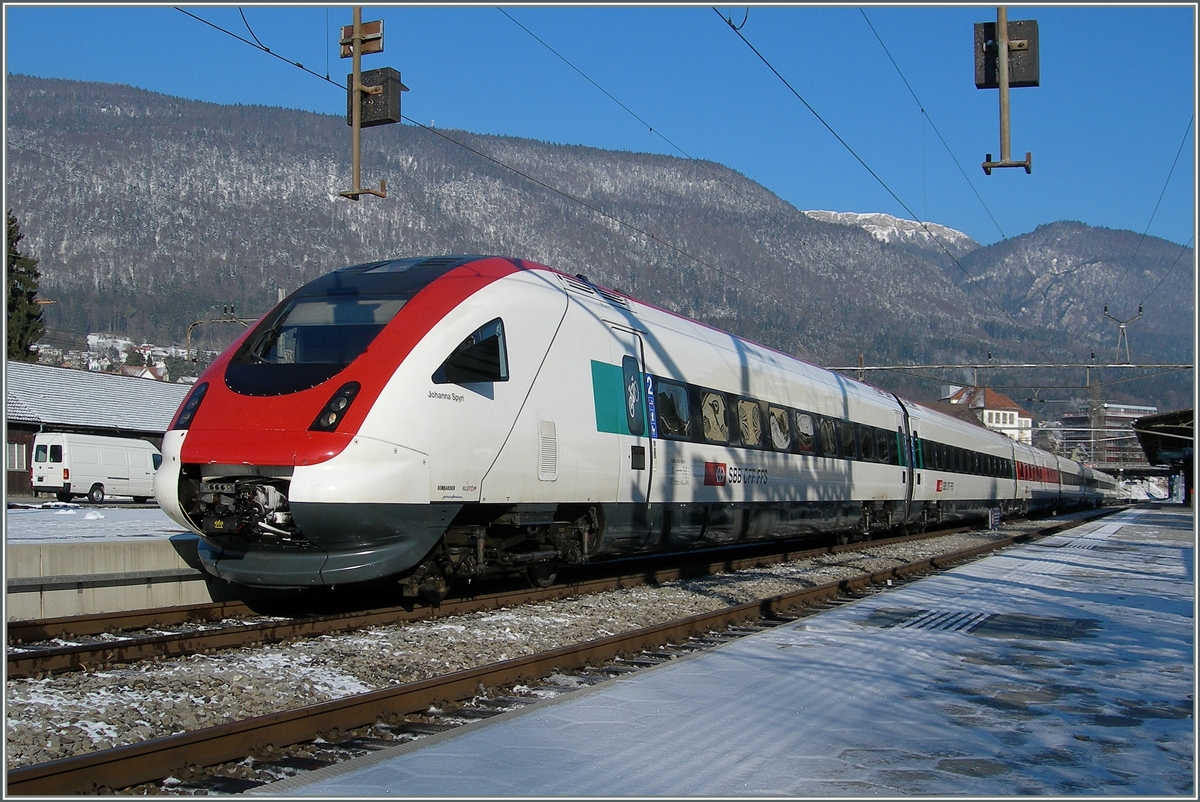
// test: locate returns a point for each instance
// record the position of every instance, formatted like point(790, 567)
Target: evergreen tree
point(24, 315)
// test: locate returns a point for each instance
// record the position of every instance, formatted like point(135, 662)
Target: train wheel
point(433, 590)
point(543, 574)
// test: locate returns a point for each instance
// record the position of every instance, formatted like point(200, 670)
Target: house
point(41, 398)
point(996, 411)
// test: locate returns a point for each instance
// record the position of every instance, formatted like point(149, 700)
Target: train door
point(908, 473)
point(636, 467)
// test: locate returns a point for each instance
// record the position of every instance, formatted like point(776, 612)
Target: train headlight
point(190, 406)
point(335, 408)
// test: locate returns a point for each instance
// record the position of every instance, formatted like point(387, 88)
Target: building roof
point(1167, 439)
point(984, 398)
point(52, 396)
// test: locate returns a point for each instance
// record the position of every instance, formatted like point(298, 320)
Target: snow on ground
point(58, 522)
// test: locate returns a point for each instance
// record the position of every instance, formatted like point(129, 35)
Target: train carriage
point(427, 420)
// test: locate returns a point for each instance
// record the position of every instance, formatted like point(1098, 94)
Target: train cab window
point(714, 417)
point(781, 431)
point(306, 341)
point(805, 433)
point(866, 443)
point(750, 422)
point(827, 438)
point(481, 357)
point(847, 439)
point(673, 410)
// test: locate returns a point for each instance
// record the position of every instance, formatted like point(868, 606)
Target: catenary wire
point(630, 226)
point(1170, 172)
point(932, 125)
point(866, 166)
point(1182, 251)
point(259, 43)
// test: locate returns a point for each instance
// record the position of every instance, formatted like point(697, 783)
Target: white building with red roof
point(996, 411)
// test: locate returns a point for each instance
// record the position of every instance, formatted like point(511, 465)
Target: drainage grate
point(990, 625)
point(1015, 625)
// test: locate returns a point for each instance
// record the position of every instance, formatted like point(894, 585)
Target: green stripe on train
point(608, 393)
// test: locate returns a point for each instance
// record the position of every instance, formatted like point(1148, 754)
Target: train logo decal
point(714, 473)
point(650, 401)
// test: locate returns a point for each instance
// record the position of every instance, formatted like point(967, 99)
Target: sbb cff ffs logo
point(718, 474)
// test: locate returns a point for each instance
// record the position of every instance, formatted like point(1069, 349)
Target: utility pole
point(1003, 62)
point(1122, 336)
point(379, 88)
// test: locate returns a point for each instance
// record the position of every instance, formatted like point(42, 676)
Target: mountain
point(926, 237)
point(149, 212)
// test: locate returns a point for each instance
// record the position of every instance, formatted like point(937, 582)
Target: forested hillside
point(147, 212)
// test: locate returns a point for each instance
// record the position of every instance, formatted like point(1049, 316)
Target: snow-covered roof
point(64, 397)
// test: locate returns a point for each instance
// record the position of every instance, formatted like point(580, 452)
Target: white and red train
point(439, 418)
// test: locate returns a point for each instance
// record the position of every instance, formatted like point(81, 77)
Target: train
point(430, 420)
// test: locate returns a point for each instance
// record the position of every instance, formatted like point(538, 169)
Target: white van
point(88, 465)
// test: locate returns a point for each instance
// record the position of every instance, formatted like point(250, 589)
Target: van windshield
point(307, 341)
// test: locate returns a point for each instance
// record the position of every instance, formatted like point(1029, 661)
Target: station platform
point(81, 559)
point(1065, 666)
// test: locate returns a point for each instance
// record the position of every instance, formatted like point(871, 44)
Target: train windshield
point(307, 341)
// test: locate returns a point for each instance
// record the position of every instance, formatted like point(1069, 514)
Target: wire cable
point(651, 236)
point(260, 44)
point(866, 167)
point(770, 215)
point(1182, 251)
point(259, 47)
point(1170, 172)
point(925, 114)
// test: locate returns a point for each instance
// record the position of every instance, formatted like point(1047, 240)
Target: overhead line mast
point(377, 93)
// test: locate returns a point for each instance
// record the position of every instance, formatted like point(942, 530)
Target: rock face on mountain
point(148, 212)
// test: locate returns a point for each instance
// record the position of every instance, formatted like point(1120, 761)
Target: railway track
point(187, 753)
point(35, 648)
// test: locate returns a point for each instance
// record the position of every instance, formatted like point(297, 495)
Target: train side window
point(714, 417)
point(674, 412)
point(805, 433)
point(778, 420)
point(750, 421)
point(481, 357)
point(882, 446)
point(866, 443)
point(847, 440)
point(827, 438)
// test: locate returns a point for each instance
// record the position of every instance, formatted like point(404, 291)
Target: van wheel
point(63, 497)
point(140, 499)
point(96, 494)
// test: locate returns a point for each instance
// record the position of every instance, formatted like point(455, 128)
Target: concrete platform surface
point(1061, 667)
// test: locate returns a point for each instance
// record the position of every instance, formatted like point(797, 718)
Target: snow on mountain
point(886, 228)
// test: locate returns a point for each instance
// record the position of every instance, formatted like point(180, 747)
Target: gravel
point(74, 713)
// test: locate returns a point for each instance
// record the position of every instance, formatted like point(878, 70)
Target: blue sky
point(1117, 94)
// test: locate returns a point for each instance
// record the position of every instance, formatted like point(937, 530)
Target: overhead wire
point(931, 124)
point(865, 166)
point(1182, 251)
point(770, 215)
point(260, 44)
point(1170, 172)
point(641, 231)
